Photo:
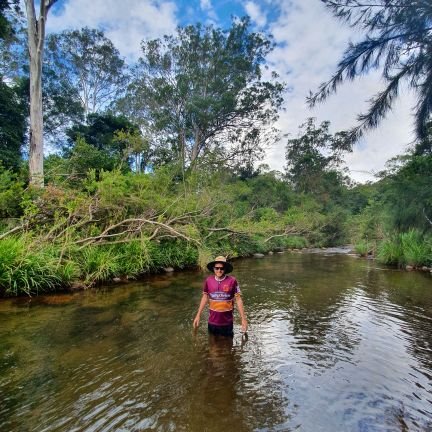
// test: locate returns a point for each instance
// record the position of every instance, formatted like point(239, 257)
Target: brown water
point(335, 344)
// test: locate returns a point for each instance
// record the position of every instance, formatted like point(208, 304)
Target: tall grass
point(416, 248)
point(390, 252)
point(361, 247)
point(98, 264)
point(24, 270)
point(408, 248)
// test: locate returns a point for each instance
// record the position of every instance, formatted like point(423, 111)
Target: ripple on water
point(333, 345)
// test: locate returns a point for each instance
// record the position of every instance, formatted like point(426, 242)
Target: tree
point(313, 157)
point(406, 193)
point(36, 39)
point(202, 91)
point(99, 131)
point(6, 7)
point(111, 136)
point(13, 114)
point(398, 41)
point(136, 148)
point(424, 146)
point(12, 94)
point(86, 66)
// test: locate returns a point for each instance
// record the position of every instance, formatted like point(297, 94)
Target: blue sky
point(309, 40)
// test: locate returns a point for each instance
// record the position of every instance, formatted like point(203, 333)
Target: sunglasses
point(218, 268)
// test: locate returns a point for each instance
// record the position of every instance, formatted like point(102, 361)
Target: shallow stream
point(335, 344)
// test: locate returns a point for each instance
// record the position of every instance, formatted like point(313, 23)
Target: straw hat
point(220, 260)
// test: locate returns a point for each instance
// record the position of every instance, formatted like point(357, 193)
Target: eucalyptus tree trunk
point(196, 146)
point(36, 38)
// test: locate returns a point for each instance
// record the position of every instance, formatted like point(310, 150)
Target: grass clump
point(23, 270)
point(98, 264)
point(362, 247)
point(407, 248)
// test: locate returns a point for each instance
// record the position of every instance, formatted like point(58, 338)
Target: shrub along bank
point(81, 231)
point(126, 225)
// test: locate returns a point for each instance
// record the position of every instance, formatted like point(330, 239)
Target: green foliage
point(406, 248)
point(7, 7)
point(83, 73)
point(12, 123)
point(334, 229)
point(407, 193)
point(11, 192)
point(136, 148)
point(178, 254)
point(390, 252)
point(362, 247)
point(85, 157)
point(289, 242)
point(312, 159)
point(203, 88)
point(23, 270)
point(135, 257)
point(269, 190)
point(98, 264)
point(99, 130)
point(396, 37)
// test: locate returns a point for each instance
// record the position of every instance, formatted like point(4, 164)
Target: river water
point(335, 344)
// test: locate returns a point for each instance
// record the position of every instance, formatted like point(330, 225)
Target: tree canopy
point(312, 154)
point(398, 42)
point(86, 67)
point(204, 91)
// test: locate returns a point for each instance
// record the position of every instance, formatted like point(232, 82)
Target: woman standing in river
point(220, 291)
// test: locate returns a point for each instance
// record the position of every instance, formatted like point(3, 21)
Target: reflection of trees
point(315, 293)
point(131, 349)
point(408, 298)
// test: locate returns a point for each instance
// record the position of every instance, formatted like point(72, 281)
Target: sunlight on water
point(335, 344)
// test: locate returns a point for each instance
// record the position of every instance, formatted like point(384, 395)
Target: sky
point(309, 44)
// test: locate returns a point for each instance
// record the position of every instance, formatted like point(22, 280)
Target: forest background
point(157, 164)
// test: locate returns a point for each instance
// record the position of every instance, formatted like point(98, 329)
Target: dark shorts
point(221, 330)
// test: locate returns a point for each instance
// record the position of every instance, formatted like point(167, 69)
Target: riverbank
point(27, 269)
point(119, 226)
point(33, 273)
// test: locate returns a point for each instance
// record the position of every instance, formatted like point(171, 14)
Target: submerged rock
point(409, 268)
point(77, 286)
point(258, 255)
point(168, 269)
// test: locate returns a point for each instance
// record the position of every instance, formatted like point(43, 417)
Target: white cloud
point(125, 22)
point(205, 4)
point(211, 15)
point(256, 14)
point(310, 43)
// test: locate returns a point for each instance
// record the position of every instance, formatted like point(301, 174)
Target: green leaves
point(397, 41)
point(313, 158)
point(201, 91)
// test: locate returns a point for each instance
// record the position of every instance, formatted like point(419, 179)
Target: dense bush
point(111, 224)
point(407, 248)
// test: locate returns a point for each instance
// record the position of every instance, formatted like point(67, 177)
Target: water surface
point(335, 344)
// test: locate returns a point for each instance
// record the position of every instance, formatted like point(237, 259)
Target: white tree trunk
point(36, 39)
point(36, 124)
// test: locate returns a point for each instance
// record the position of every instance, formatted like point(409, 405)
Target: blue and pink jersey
point(221, 296)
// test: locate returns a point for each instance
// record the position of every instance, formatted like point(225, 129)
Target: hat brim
point(227, 266)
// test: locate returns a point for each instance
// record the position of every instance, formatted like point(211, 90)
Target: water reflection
point(334, 344)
